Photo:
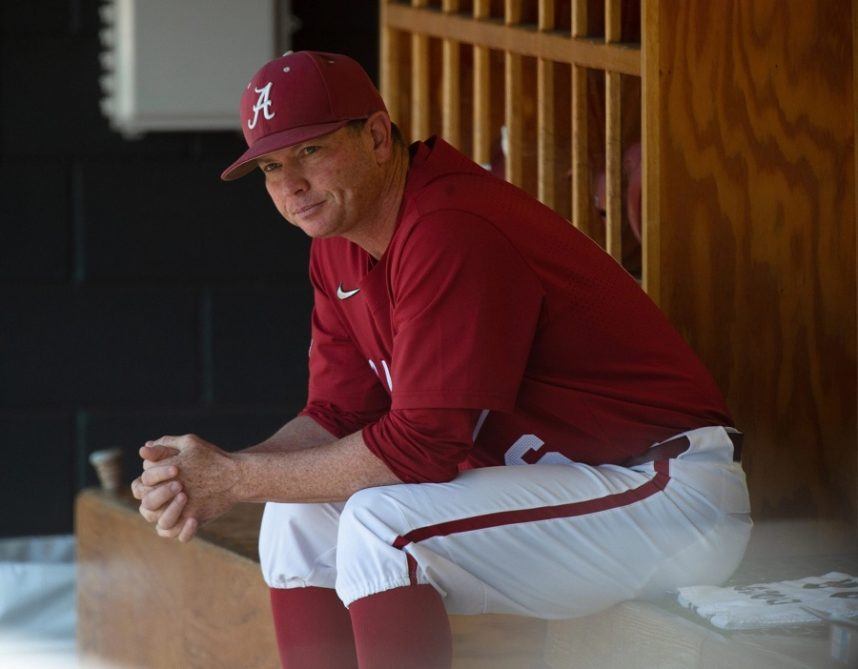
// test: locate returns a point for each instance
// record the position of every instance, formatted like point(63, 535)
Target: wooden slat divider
point(613, 140)
point(450, 102)
point(613, 166)
point(390, 56)
point(419, 80)
point(512, 12)
point(579, 18)
point(484, 34)
point(613, 22)
point(482, 9)
point(580, 163)
point(545, 122)
point(521, 40)
point(546, 14)
point(854, 133)
point(513, 112)
point(650, 146)
point(482, 149)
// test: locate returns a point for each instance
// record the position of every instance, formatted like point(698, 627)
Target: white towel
point(765, 605)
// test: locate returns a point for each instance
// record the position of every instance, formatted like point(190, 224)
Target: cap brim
point(279, 140)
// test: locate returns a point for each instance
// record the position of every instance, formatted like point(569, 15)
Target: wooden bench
point(147, 602)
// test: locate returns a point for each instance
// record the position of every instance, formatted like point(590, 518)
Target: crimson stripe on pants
point(651, 487)
point(412, 569)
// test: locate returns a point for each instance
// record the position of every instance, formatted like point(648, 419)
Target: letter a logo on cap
point(263, 102)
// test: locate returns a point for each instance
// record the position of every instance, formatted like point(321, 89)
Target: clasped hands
point(186, 481)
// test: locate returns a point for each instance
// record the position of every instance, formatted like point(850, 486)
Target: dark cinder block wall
point(139, 295)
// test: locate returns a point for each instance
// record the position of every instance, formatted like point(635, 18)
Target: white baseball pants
point(549, 541)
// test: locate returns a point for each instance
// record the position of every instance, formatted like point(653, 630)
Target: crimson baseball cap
point(300, 96)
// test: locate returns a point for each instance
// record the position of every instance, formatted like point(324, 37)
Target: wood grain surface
point(521, 40)
point(651, 98)
point(149, 603)
point(749, 242)
point(451, 108)
point(640, 635)
point(756, 231)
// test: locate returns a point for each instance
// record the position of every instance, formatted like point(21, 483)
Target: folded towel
point(766, 605)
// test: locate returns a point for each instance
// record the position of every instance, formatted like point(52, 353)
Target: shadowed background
point(139, 295)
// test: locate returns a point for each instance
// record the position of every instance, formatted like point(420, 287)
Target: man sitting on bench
point(498, 418)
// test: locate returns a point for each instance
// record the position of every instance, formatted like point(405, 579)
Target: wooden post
point(854, 519)
point(389, 65)
point(613, 137)
point(482, 150)
point(513, 111)
point(650, 146)
point(580, 163)
point(450, 102)
point(419, 82)
point(545, 124)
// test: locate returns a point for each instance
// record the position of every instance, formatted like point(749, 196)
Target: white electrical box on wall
point(182, 65)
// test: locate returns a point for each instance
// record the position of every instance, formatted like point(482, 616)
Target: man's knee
point(292, 521)
point(371, 517)
point(297, 544)
point(369, 559)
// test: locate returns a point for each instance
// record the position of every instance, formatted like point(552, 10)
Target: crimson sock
point(313, 629)
point(403, 627)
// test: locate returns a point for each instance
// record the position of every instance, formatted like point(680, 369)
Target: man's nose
point(294, 183)
point(287, 181)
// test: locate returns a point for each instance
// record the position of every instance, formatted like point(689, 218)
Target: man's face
point(325, 186)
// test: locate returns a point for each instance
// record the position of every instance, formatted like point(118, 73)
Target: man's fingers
point(172, 512)
point(138, 489)
point(148, 464)
point(160, 495)
point(166, 440)
point(149, 516)
point(152, 451)
point(172, 533)
point(159, 474)
point(189, 529)
point(184, 531)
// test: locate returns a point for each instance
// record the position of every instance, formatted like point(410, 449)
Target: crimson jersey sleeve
point(344, 394)
point(465, 307)
point(422, 445)
point(465, 311)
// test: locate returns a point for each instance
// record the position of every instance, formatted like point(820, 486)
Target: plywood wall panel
point(756, 207)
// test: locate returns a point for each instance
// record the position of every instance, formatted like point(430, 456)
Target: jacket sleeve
point(423, 445)
point(344, 393)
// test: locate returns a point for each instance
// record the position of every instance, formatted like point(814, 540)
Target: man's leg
point(402, 627)
point(548, 541)
point(313, 629)
point(297, 550)
point(551, 541)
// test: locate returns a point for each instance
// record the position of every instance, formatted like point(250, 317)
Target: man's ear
point(381, 134)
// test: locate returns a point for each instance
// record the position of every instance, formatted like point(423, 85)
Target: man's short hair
point(358, 124)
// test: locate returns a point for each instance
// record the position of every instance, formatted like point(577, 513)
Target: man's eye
point(308, 150)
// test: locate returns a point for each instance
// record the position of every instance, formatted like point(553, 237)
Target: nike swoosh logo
point(346, 294)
